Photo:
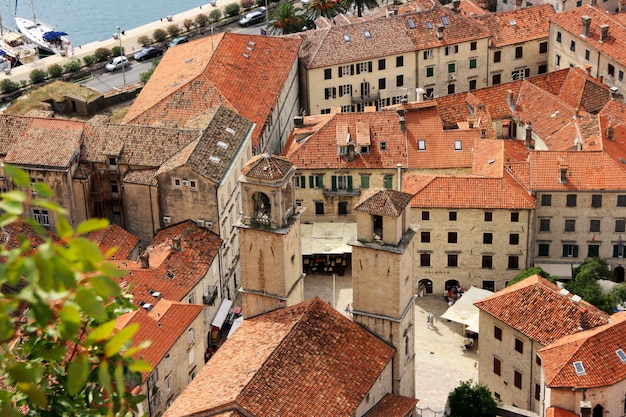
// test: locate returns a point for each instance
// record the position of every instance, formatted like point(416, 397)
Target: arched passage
point(618, 273)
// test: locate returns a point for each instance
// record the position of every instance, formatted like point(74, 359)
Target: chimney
point(530, 143)
point(586, 22)
point(518, 4)
point(588, 69)
point(419, 94)
point(402, 121)
point(350, 154)
point(604, 32)
point(298, 121)
point(399, 177)
point(176, 243)
point(509, 100)
point(145, 259)
point(440, 28)
point(609, 133)
point(583, 320)
point(455, 5)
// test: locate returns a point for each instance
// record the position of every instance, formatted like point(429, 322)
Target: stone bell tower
point(383, 279)
point(270, 239)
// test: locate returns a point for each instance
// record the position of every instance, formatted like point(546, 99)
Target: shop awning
point(222, 313)
point(464, 311)
point(235, 325)
point(558, 270)
point(327, 238)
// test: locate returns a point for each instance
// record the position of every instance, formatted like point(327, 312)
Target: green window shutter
point(349, 182)
point(564, 251)
point(320, 180)
point(365, 181)
point(311, 181)
point(334, 183)
point(575, 251)
point(615, 251)
point(388, 181)
point(303, 181)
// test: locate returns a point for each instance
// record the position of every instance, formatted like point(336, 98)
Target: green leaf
point(100, 333)
point(77, 373)
point(104, 377)
point(144, 344)
point(105, 287)
point(120, 339)
point(21, 372)
point(119, 379)
point(140, 366)
point(36, 395)
point(14, 196)
point(70, 321)
point(19, 176)
point(91, 304)
point(63, 227)
point(91, 225)
point(7, 219)
point(42, 189)
point(12, 207)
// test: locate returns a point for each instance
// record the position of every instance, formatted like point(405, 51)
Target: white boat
point(15, 49)
point(49, 40)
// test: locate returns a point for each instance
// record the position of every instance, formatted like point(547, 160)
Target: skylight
point(444, 20)
point(230, 130)
point(222, 144)
point(214, 159)
point(512, 22)
point(580, 369)
point(346, 37)
point(429, 25)
point(621, 355)
point(411, 23)
point(368, 34)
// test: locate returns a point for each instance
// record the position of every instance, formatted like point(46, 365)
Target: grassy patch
point(56, 91)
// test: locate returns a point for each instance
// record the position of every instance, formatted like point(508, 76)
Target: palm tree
point(325, 8)
point(360, 5)
point(286, 18)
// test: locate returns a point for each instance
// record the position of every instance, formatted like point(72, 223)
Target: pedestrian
point(430, 320)
point(348, 310)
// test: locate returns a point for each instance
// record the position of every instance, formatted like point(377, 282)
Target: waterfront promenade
point(129, 41)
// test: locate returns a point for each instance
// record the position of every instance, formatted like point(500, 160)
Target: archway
point(618, 274)
point(451, 283)
point(426, 285)
point(598, 411)
point(262, 208)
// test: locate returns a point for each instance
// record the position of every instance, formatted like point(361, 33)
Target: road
point(104, 81)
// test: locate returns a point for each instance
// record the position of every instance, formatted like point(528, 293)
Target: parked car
point(116, 63)
point(148, 53)
point(253, 18)
point(177, 41)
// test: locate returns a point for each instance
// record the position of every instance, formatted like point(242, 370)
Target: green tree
point(117, 51)
point(173, 30)
point(60, 354)
point(360, 5)
point(202, 19)
point(102, 54)
point(585, 283)
point(37, 76)
point(618, 294)
point(214, 16)
point(232, 9)
point(89, 60)
point(187, 23)
point(145, 76)
point(144, 40)
point(286, 18)
point(530, 272)
point(471, 400)
point(325, 8)
point(8, 86)
point(159, 35)
point(55, 70)
point(71, 67)
point(246, 4)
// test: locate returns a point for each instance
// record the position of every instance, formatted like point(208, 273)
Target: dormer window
point(563, 175)
point(342, 150)
point(364, 149)
point(580, 369)
point(421, 145)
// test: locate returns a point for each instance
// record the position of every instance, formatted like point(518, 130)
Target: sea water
point(92, 20)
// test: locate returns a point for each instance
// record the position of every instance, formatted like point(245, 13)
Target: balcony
point(366, 98)
point(342, 193)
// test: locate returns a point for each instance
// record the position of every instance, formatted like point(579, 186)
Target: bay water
point(96, 20)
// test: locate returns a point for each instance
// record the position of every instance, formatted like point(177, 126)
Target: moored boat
point(49, 40)
point(15, 49)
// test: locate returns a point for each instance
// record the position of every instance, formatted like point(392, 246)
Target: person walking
point(348, 311)
point(430, 320)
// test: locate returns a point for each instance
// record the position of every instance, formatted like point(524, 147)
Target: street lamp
point(119, 36)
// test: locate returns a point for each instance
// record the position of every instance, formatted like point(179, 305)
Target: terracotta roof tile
point(595, 349)
point(517, 26)
point(143, 177)
point(304, 360)
point(536, 308)
point(114, 237)
point(613, 117)
point(559, 412)
point(384, 202)
point(393, 406)
point(267, 167)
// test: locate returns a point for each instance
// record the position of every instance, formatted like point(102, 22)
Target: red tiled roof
point(467, 192)
point(393, 406)
point(304, 360)
point(595, 349)
point(536, 308)
point(559, 412)
point(115, 238)
point(517, 26)
point(385, 202)
point(488, 157)
point(267, 167)
point(613, 117)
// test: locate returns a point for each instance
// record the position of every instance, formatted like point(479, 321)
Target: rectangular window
point(382, 63)
point(544, 249)
point(518, 52)
point(621, 201)
point(537, 392)
point(428, 54)
point(399, 61)
point(487, 238)
point(558, 37)
point(193, 185)
point(330, 92)
point(472, 85)
point(497, 332)
point(618, 250)
point(513, 262)
point(452, 237)
point(487, 261)
point(328, 74)
point(519, 346)
point(620, 75)
point(424, 259)
point(543, 47)
point(557, 60)
point(488, 216)
point(570, 200)
point(593, 251)
point(514, 239)
point(570, 225)
point(473, 46)
point(542, 69)
point(611, 69)
point(451, 88)
point(382, 83)
point(365, 181)
point(451, 68)
point(594, 225)
point(421, 145)
point(430, 71)
point(42, 217)
point(399, 80)
point(497, 56)
point(453, 260)
point(587, 55)
point(518, 380)
point(388, 181)
point(472, 63)
point(346, 70)
point(425, 215)
point(342, 208)
point(570, 251)
point(620, 225)
point(497, 366)
point(496, 79)
point(514, 217)
point(596, 200)
point(319, 207)
point(345, 90)
point(572, 45)
point(452, 216)
point(425, 237)
point(177, 182)
point(544, 225)
point(546, 200)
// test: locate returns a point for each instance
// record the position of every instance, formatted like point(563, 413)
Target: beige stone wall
point(531, 58)
point(60, 182)
point(287, 107)
point(470, 228)
point(611, 398)
point(511, 361)
point(142, 210)
point(377, 392)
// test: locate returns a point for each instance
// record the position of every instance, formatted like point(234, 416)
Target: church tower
point(383, 279)
point(270, 237)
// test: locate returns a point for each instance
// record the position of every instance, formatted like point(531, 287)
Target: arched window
point(598, 411)
point(262, 206)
